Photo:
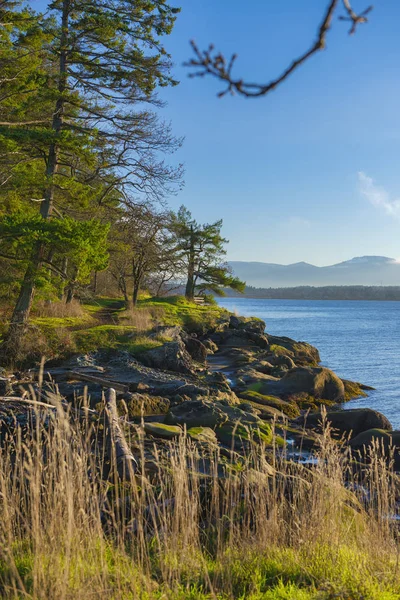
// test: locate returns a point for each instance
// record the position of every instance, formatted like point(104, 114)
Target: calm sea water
point(357, 340)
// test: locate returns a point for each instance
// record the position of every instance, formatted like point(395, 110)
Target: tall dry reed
point(70, 529)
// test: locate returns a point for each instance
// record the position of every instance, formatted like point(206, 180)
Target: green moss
point(352, 390)
point(202, 434)
point(255, 387)
point(163, 431)
point(260, 433)
point(280, 350)
point(288, 408)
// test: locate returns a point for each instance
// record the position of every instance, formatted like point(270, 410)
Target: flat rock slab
point(167, 432)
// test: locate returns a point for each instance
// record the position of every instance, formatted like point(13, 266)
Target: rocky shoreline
point(231, 387)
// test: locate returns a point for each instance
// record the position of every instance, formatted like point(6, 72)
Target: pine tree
point(100, 60)
point(201, 249)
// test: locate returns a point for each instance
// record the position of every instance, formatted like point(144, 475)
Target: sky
point(311, 171)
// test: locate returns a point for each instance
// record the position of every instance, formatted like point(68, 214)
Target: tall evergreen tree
point(101, 58)
point(201, 249)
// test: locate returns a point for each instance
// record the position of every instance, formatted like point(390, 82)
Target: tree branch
point(217, 66)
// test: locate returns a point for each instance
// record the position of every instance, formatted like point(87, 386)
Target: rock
point(290, 409)
point(282, 360)
point(231, 424)
point(305, 440)
point(250, 325)
point(387, 441)
point(366, 438)
point(196, 349)
point(238, 434)
point(315, 381)
point(352, 389)
point(301, 352)
point(76, 391)
point(169, 332)
point(5, 386)
point(218, 381)
point(263, 366)
point(349, 422)
point(172, 356)
point(210, 346)
point(161, 430)
point(242, 338)
point(145, 404)
point(202, 434)
point(197, 413)
point(139, 387)
point(252, 377)
point(264, 412)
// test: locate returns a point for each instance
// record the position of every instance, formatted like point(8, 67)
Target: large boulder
point(203, 435)
point(301, 352)
point(250, 325)
point(242, 338)
point(208, 413)
point(281, 360)
point(144, 404)
point(196, 349)
point(348, 422)
point(171, 356)
point(197, 413)
point(366, 438)
point(386, 441)
point(210, 346)
point(317, 382)
point(167, 432)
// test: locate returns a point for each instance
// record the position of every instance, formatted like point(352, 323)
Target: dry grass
point(139, 318)
point(266, 528)
point(59, 310)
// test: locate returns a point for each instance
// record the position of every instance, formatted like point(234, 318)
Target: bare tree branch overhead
point(209, 62)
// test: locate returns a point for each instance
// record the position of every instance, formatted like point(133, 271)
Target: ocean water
point(358, 340)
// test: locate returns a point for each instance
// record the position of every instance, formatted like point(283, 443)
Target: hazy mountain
point(361, 270)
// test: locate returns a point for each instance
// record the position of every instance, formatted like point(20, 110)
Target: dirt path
point(108, 314)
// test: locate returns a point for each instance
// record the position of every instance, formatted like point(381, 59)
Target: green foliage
point(82, 242)
point(200, 249)
point(76, 136)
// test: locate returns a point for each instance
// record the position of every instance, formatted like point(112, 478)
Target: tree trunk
point(71, 286)
point(123, 288)
point(189, 293)
point(95, 283)
point(70, 295)
point(138, 270)
point(117, 447)
point(135, 294)
point(10, 349)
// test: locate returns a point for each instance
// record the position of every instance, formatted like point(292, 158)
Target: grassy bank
point(58, 330)
point(263, 531)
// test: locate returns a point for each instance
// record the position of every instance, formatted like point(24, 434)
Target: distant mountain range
point(362, 270)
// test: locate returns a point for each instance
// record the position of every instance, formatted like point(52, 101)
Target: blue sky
point(310, 172)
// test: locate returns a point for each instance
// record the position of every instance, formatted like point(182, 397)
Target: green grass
point(176, 310)
point(67, 322)
point(321, 573)
point(115, 337)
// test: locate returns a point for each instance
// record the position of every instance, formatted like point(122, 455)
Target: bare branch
point(215, 64)
point(353, 17)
